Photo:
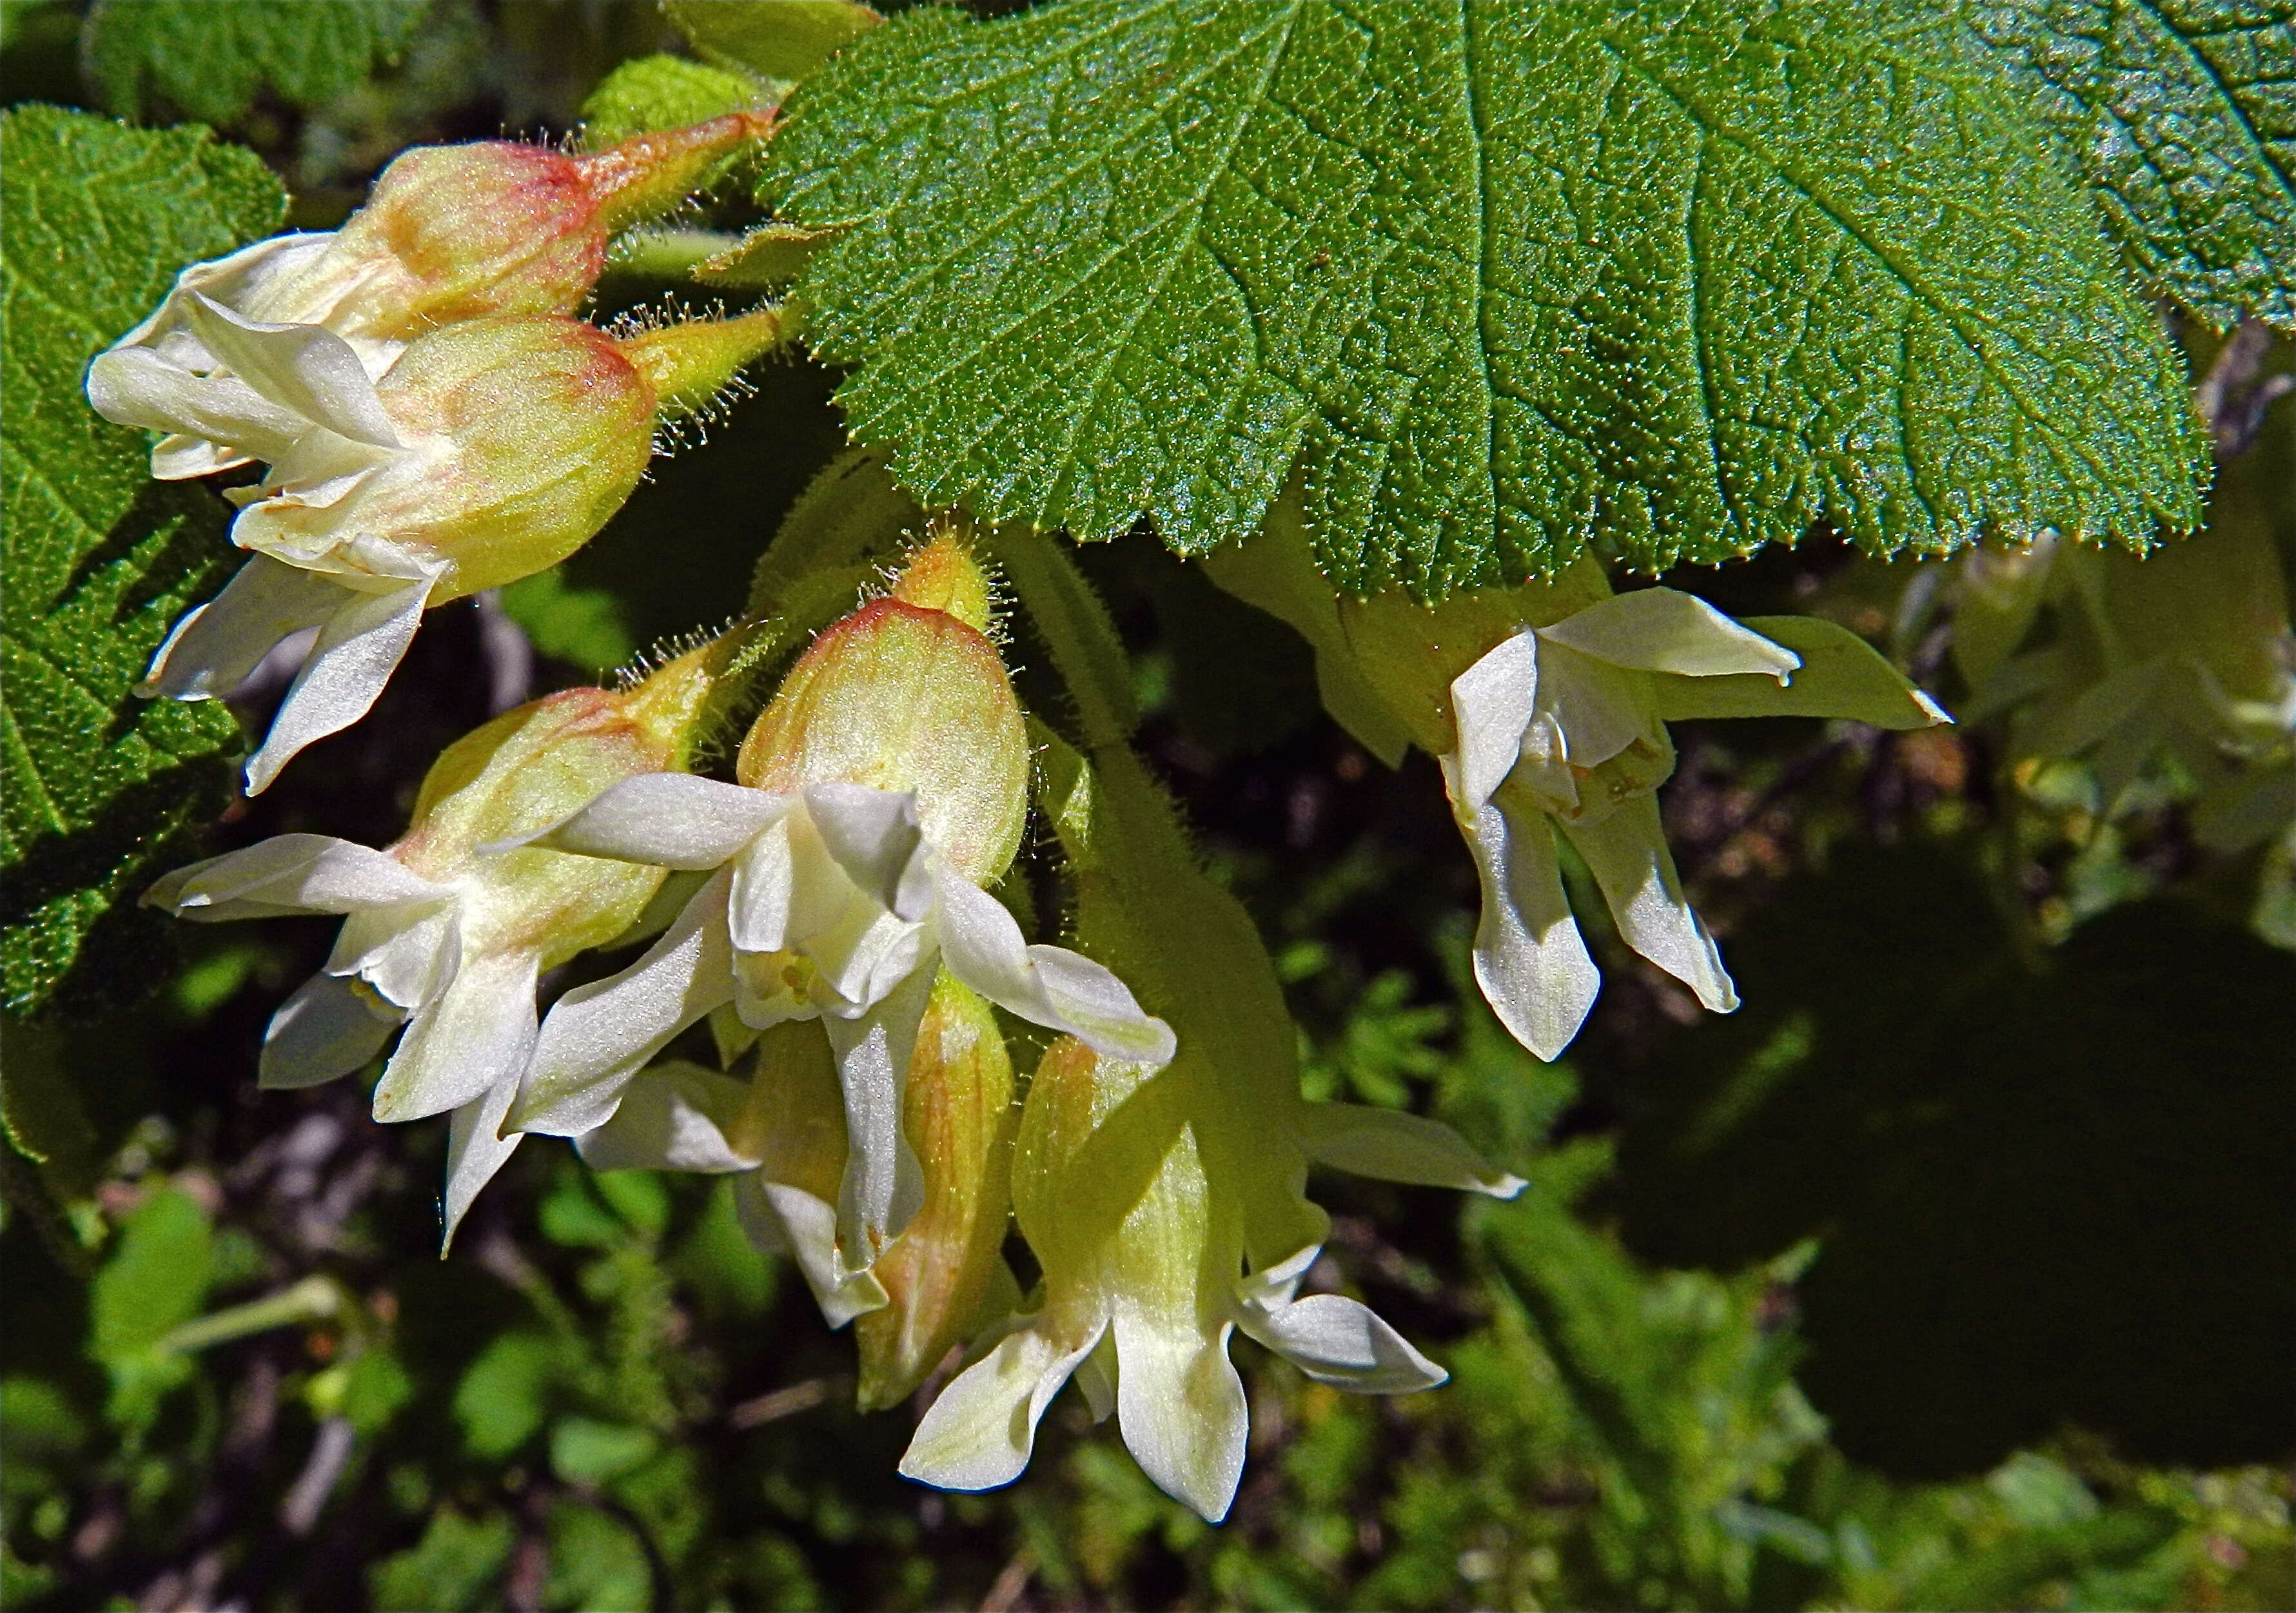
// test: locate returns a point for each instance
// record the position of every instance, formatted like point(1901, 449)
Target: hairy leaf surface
point(100, 560)
point(2184, 114)
point(214, 58)
point(1673, 281)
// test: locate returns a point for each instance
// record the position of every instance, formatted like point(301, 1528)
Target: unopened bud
point(958, 1115)
point(460, 232)
point(910, 699)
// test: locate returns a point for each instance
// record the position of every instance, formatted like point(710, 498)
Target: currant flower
point(1143, 1254)
point(490, 450)
point(880, 792)
point(1547, 706)
point(782, 1132)
point(443, 939)
point(450, 233)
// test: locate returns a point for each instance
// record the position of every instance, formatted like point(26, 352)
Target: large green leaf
point(1673, 281)
point(2184, 114)
point(100, 560)
point(213, 59)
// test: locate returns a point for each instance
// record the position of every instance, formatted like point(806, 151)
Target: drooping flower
point(881, 793)
point(1547, 707)
point(1120, 1195)
point(1167, 1205)
point(783, 1130)
point(446, 940)
point(490, 450)
point(450, 233)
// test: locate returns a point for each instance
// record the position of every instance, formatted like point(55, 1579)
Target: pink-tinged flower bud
point(909, 697)
point(441, 934)
point(939, 1273)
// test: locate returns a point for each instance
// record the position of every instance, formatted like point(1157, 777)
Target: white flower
point(488, 451)
point(828, 902)
point(1566, 724)
point(442, 939)
point(1143, 1249)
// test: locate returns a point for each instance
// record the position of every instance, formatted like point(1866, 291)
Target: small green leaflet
point(2184, 115)
point(212, 58)
point(1670, 281)
point(100, 560)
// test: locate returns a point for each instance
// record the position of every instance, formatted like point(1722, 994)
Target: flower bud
point(909, 697)
point(958, 1115)
point(462, 232)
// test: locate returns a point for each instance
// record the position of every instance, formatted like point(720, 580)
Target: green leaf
point(101, 560)
point(214, 59)
point(1518, 280)
point(453, 1567)
point(505, 1394)
point(783, 39)
point(581, 626)
point(2183, 117)
point(151, 1285)
point(661, 93)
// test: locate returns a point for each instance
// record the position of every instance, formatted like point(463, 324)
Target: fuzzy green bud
point(909, 697)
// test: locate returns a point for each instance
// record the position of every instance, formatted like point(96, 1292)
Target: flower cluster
point(433, 420)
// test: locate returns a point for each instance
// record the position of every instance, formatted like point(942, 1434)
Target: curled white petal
point(216, 645)
point(305, 368)
point(1341, 1342)
point(1181, 1407)
point(292, 873)
point(979, 1434)
point(875, 836)
point(806, 1228)
point(1492, 703)
point(1049, 985)
point(135, 387)
point(478, 1032)
point(669, 820)
point(1626, 852)
point(475, 1150)
point(673, 1117)
point(359, 646)
point(1530, 959)
point(884, 1184)
point(1667, 630)
point(329, 1028)
point(598, 1036)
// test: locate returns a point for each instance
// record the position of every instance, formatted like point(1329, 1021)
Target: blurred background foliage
point(1956, 1270)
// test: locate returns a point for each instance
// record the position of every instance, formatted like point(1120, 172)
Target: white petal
point(675, 1117)
point(978, 1435)
point(1530, 960)
point(874, 837)
point(1275, 1284)
point(808, 1231)
point(1337, 1342)
point(302, 367)
point(1181, 1407)
point(1841, 675)
point(598, 1036)
point(292, 873)
point(216, 645)
point(478, 1032)
point(1491, 703)
point(884, 1183)
point(1666, 630)
point(329, 1028)
point(135, 387)
point(1394, 1146)
point(1095, 1378)
point(1628, 856)
point(475, 1150)
point(1049, 985)
point(235, 280)
point(669, 820)
point(359, 647)
point(406, 952)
